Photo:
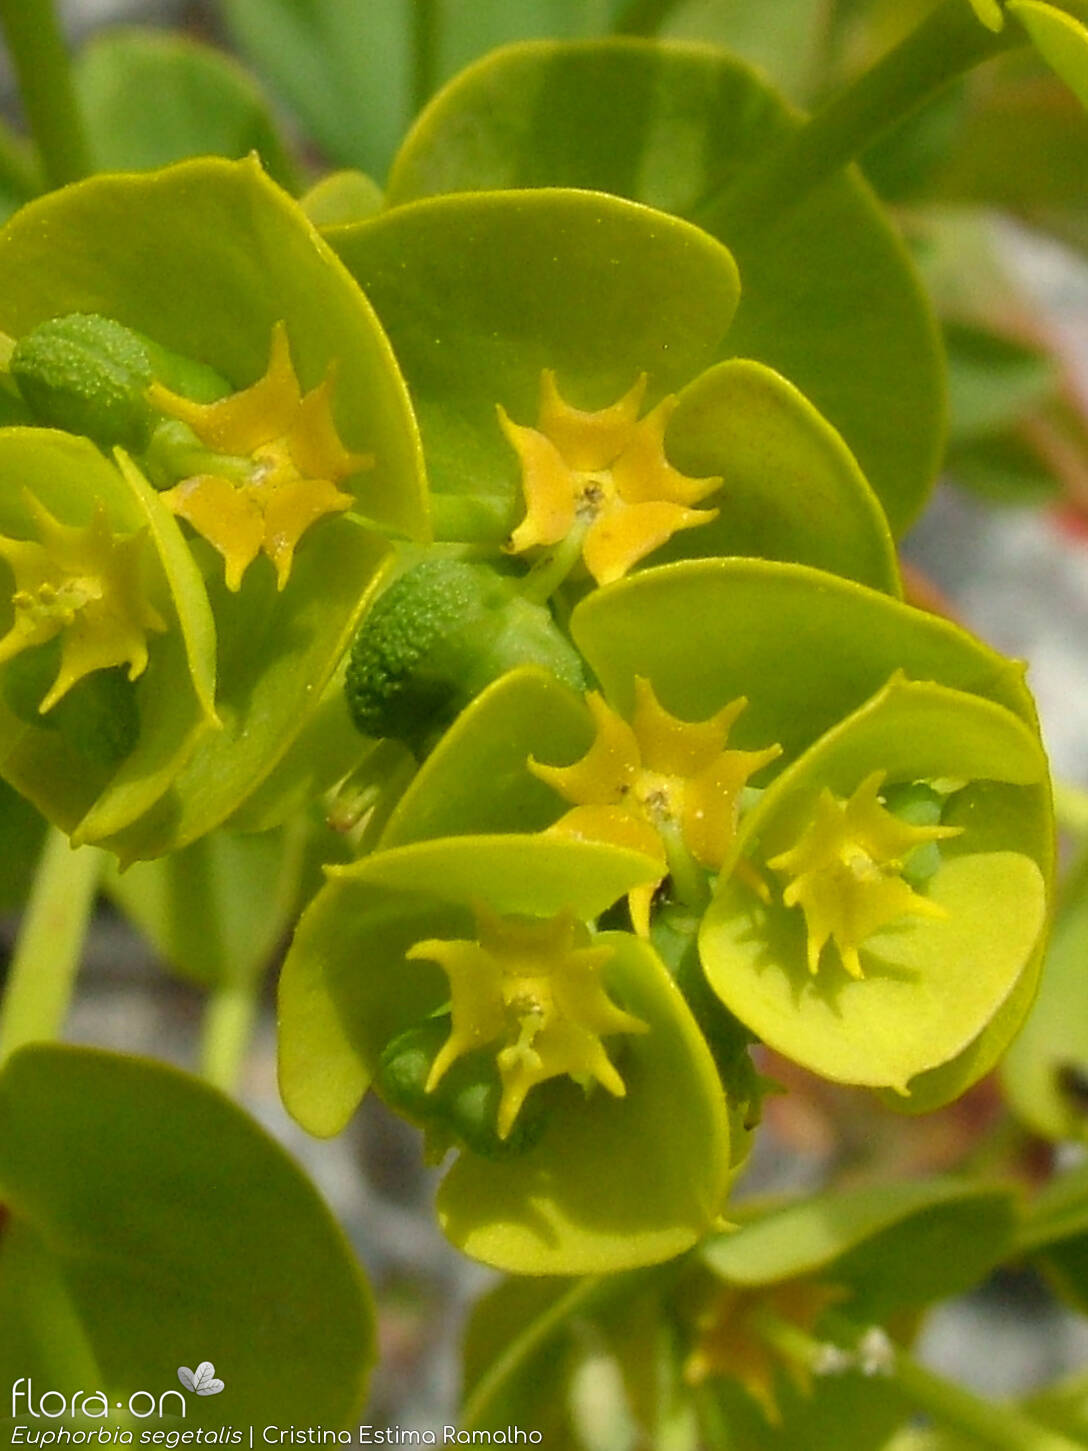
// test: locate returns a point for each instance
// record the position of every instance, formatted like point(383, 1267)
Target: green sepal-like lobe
point(1044, 1075)
point(148, 1221)
point(830, 298)
point(206, 258)
point(1061, 40)
point(481, 294)
point(347, 991)
point(892, 1246)
point(791, 488)
point(804, 647)
point(617, 1183)
point(173, 698)
point(931, 984)
point(477, 779)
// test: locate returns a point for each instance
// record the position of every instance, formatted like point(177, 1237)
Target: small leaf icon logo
point(202, 1380)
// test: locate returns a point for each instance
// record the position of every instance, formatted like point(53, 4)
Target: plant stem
point(50, 945)
point(948, 42)
point(1002, 1427)
point(229, 1015)
point(40, 58)
point(424, 51)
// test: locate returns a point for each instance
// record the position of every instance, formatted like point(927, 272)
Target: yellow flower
point(533, 989)
point(666, 787)
point(86, 585)
point(846, 871)
point(295, 459)
point(602, 478)
point(729, 1345)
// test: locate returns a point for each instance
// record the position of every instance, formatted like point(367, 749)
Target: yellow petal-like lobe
point(607, 772)
point(532, 988)
point(643, 474)
point(845, 870)
point(659, 785)
point(547, 485)
point(590, 441)
point(297, 460)
point(85, 584)
point(604, 474)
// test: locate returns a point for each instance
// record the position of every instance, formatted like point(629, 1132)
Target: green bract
point(107, 750)
point(485, 297)
point(138, 1215)
point(936, 964)
point(211, 261)
point(829, 296)
point(618, 1177)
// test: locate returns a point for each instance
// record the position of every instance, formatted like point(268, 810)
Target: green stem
point(1071, 808)
point(424, 51)
point(50, 945)
point(948, 42)
point(643, 17)
point(40, 58)
point(229, 1015)
point(552, 569)
point(1002, 1427)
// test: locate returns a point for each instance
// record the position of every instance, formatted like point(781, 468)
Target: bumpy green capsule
point(89, 375)
point(441, 633)
point(463, 1108)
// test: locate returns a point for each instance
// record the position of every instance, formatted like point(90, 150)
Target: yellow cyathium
point(85, 584)
point(297, 460)
point(532, 988)
point(603, 474)
point(845, 871)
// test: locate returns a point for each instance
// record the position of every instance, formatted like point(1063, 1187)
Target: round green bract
point(480, 294)
point(346, 991)
point(930, 985)
point(140, 1232)
point(174, 694)
point(206, 257)
point(830, 297)
point(803, 647)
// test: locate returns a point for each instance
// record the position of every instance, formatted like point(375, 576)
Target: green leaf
point(22, 832)
point(481, 294)
point(207, 257)
point(804, 647)
point(216, 910)
point(892, 1246)
point(1055, 1232)
point(342, 197)
point(140, 1236)
point(993, 380)
point(73, 783)
point(830, 299)
point(149, 98)
point(792, 490)
point(1045, 1073)
point(783, 40)
point(1060, 39)
point(346, 992)
point(930, 985)
point(621, 1182)
point(340, 1005)
point(477, 780)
